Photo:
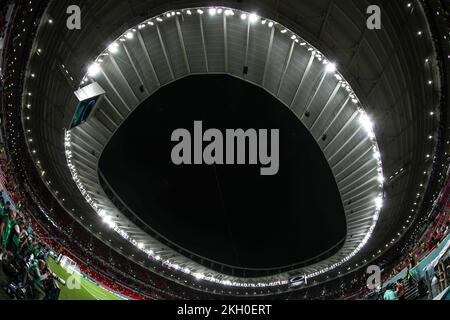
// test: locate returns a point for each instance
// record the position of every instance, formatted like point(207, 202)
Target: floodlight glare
point(331, 67)
point(366, 122)
point(379, 203)
point(113, 47)
point(106, 219)
point(229, 12)
point(94, 69)
point(253, 18)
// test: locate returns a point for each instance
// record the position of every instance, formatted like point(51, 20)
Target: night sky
point(227, 213)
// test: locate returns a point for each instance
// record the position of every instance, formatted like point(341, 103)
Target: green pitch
point(87, 291)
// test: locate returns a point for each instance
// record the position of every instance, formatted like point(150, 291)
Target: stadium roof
point(391, 74)
point(258, 224)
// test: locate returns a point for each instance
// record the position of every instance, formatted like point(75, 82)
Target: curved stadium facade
point(363, 154)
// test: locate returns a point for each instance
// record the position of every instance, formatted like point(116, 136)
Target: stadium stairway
point(411, 290)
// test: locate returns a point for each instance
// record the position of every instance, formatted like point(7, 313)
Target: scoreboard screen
point(88, 98)
point(83, 111)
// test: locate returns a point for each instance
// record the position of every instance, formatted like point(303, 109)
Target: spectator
point(422, 246)
point(410, 275)
point(7, 227)
point(37, 272)
point(389, 294)
point(400, 290)
point(411, 259)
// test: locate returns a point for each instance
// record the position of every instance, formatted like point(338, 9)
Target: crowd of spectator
point(63, 236)
point(20, 245)
point(354, 286)
point(435, 232)
point(94, 259)
point(17, 223)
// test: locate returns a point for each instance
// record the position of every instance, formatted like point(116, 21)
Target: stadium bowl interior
point(357, 106)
